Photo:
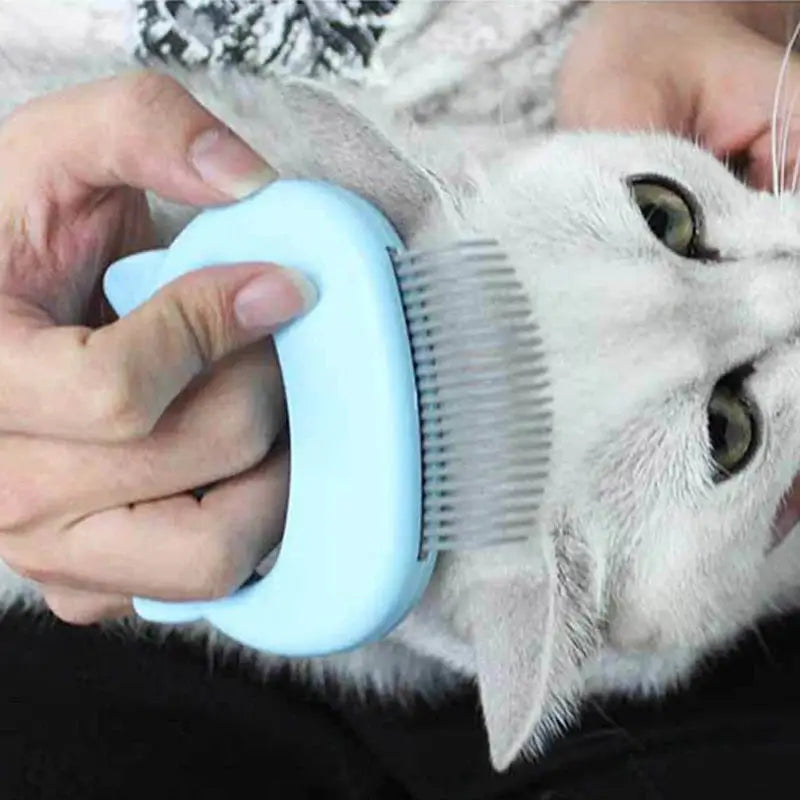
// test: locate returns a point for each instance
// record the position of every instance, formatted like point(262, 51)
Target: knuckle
point(253, 413)
point(151, 90)
point(116, 409)
point(203, 317)
point(252, 434)
point(218, 575)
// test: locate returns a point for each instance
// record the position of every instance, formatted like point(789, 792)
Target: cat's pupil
point(718, 431)
point(668, 212)
point(657, 218)
point(732, 428)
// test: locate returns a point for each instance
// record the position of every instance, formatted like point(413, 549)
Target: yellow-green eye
point(731, 429)
point(667, 212)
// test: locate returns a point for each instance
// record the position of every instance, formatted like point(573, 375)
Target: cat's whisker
point(786, 128)
point(776, 105)
point(796, 171)
point(772, 132)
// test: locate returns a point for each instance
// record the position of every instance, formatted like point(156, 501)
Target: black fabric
point(297, 37)
point(88, 715)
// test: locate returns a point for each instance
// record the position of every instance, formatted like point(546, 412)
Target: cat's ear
point(313, 133)
point(531, 634)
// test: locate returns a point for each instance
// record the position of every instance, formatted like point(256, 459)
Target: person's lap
point(88, 714)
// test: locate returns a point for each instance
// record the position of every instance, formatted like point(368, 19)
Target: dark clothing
point(89, 715)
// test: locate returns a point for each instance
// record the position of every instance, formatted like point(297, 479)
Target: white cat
point(670, 298)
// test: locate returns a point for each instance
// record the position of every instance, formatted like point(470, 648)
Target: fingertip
point(142, 129)
point(273, 298)
point(228, 164)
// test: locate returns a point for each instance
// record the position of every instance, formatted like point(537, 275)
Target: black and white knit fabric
point(468, 65)
point(307, 37)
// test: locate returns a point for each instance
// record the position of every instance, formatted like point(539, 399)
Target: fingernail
point(225, 162)
point(274, 298)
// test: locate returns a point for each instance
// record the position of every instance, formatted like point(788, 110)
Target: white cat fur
point(641, 564)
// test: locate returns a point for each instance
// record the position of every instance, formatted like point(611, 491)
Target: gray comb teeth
point(482, 386)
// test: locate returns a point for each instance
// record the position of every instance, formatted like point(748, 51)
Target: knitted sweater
point(476, 64)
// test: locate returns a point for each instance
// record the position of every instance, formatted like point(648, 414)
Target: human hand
point(104, 432)
point(705, 70)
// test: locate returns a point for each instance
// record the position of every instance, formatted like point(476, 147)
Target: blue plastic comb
point(374, 380)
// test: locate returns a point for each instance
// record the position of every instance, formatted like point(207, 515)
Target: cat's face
point(669, 298)
point(676, 372)
point(675, 362)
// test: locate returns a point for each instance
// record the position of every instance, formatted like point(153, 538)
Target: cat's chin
point(788, 515)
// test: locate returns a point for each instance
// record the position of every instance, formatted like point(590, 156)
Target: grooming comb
point(418, 411)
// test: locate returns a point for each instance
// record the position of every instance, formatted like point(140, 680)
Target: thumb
point(190, 324)
point(143, 130)
point(114, 383)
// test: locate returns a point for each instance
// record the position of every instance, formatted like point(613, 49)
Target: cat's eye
point(669, 212)
point(732, 427)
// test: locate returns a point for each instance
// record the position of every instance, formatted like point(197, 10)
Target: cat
point(669, 295)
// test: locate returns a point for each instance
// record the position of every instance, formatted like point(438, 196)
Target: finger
point(114, 383)
point(78, 607)
point(142, 129)
point(177, 548)
point(626, 104)
point(774, 153)
point(735, 117)
point(607, 82)
point(221, 426)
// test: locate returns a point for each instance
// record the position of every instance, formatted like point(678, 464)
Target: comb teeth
point(482, 386)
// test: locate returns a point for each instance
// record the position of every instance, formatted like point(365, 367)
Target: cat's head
point(669, 298)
